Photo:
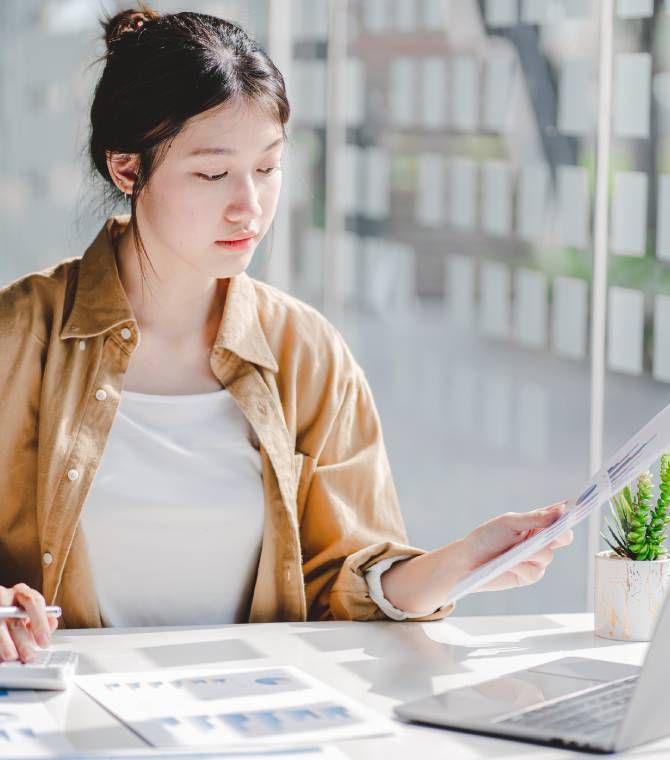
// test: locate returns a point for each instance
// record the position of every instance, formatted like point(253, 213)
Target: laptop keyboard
point(598, 711)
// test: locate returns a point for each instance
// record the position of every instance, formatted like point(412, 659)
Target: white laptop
point(573, 703)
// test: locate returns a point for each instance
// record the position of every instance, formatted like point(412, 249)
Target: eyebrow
point(229, 151)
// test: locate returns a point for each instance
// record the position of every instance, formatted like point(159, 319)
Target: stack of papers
point(232, 707)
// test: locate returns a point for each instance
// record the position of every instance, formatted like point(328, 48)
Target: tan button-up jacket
point(331, 509)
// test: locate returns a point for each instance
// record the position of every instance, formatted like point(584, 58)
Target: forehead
point(241, 126)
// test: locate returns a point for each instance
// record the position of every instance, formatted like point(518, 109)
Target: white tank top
point(174, 517)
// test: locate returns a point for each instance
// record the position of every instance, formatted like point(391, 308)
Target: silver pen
point(11, 613)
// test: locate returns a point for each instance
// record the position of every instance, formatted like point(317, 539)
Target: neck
point(175, 303)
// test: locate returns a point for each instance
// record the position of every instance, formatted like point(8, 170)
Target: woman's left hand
point(496, 536)
point(423, 582)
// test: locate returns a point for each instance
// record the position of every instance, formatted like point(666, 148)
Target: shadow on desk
point(193, 653)
point(402, 659)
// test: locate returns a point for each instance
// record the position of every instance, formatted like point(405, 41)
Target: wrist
point(455, 559)
point(424, 581)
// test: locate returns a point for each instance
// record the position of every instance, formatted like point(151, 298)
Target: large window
point(440, 201)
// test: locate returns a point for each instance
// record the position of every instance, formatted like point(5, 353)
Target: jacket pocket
point(304, 467)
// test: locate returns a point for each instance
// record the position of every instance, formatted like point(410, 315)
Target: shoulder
point(301, 337)
point(30, 303)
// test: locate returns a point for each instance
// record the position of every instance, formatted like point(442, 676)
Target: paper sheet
point(27, 728)
point(292, 753)
point(232, 707)
point(637, 455)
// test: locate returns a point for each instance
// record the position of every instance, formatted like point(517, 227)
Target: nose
point(245, 205)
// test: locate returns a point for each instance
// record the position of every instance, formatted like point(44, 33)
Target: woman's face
point(220, 180)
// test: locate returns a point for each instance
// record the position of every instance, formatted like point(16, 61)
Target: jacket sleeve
point(22, 359)
point(351, 517)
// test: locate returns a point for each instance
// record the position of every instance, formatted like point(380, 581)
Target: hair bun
point(130, 20)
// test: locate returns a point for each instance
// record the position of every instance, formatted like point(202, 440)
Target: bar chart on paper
point(212, 707)
point(27, 729)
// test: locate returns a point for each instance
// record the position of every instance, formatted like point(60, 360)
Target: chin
point(232, 268)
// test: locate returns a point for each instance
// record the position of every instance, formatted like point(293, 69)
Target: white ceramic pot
point(628, 596)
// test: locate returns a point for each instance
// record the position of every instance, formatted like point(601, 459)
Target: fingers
point(53, 623)
point(7, 648)
point(534, 568)
point(523, 574)
point(529, 572)
point(23, 638)
point(535, 520)
point(543, 557)
point(33, 603)
point(19, 638)
point(565, 539)
point(507, 580)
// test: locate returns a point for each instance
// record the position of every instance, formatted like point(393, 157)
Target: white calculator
point(49, 670)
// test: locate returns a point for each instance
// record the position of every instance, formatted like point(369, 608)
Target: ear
point(122, 168)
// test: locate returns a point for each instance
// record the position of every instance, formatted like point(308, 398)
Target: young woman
point(180, 442)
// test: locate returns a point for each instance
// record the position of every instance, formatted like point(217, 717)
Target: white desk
point(380, 664)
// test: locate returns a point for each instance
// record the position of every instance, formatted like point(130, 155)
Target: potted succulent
point(632, 577)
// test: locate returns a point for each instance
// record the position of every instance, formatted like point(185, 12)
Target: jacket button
point(82, 345)
point(47, 558)
point(101, 394)
point(125, 333)
point(72, 474)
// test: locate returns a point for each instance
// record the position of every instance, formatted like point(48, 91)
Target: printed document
point(292, 753)
point(637, 455)
point(27, 728)
point(232, 707)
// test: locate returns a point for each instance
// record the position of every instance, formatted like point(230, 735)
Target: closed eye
point(216, 177)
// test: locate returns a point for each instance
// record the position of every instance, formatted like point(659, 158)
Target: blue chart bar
point(338, 712)
point(304, 714)
point(203, 723)
point(290, 719)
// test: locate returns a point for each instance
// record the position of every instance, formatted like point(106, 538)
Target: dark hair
point(160, 71)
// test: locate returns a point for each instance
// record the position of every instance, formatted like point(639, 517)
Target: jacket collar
point(100, 303)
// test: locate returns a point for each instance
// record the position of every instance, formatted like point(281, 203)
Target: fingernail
point(42, 639)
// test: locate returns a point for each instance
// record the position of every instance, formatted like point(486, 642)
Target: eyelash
point(217, 177)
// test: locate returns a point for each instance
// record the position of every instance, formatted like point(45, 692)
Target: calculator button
point(61, 658)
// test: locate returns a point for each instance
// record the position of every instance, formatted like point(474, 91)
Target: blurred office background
point(439, 205)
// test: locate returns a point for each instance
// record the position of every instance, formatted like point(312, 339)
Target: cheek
point(170, 199)
point(183, 215)
point(270, 197)
point(188, 207)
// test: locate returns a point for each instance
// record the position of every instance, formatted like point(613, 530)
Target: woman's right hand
point(20, 638)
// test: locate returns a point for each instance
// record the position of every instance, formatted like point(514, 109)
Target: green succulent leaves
point(637, 531)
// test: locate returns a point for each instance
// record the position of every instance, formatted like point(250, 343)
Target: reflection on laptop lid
point(574, 703)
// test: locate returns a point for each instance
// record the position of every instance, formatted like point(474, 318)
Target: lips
point(236, 240)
